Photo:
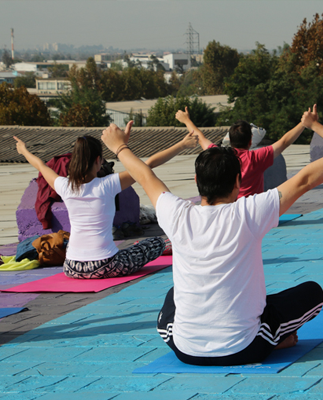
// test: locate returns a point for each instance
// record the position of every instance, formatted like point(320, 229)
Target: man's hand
point(20, 145)
point(190, 141)
point(113, 137)
point(183, 116)
point(309, 117)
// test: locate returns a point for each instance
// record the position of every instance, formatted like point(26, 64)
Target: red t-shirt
point(253, 165)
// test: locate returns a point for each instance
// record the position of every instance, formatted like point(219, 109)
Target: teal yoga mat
point(288, 217)
point(310, 336)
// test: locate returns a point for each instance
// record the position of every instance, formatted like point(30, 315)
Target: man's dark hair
point(240, 134)
point(216, 172)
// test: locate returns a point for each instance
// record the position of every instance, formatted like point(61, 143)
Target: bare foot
point(290, 341)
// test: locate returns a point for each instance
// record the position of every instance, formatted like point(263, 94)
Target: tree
point(58, 71)
point(137, 118)
point(308, 44)
point(88, 77)
point(111, 85)
point(82, 107)
point(219, 63)
point(272, 92)
point(191, 83)
point(163, 112)
point(252, 70)
point(153, 84)
point(18, 107)
point(6, 59)
point(175, 82)
point(83, 104)
point(28, 80)
point(116, 66)
point(133, 84)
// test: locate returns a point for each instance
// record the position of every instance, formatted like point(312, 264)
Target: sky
point(153, 24)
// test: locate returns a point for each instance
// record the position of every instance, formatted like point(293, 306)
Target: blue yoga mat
point(288, 217)
point(310, 335)
point(4, 312)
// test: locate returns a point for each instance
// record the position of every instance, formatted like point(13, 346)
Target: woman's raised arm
point(36, 162)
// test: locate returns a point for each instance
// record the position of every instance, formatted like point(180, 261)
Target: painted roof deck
point(85, 346)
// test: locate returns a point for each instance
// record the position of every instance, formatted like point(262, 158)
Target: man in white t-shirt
point(218, 312)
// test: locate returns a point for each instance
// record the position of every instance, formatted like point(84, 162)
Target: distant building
point(47, 89)
point(145, 60)
point(99, 58)
point(9, 77)
point(38, 68)
point(176, 59)
point(52, 86)
point(35, 67)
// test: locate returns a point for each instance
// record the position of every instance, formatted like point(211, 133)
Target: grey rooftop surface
point(86, 345)
point(47, 142)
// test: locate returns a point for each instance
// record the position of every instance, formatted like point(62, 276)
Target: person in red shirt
point(253, 163)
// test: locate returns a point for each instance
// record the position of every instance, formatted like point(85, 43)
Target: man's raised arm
point(310, 121)
point(189, 142)
point(305, 180)
point(184, 118)
point(115, 139)
point(287, 139)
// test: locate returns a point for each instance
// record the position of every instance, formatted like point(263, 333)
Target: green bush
point(163, 112)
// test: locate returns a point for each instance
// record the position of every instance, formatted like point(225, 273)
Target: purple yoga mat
point(16, 299)
point(8, 249)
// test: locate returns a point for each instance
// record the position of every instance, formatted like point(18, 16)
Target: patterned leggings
point(125, 262)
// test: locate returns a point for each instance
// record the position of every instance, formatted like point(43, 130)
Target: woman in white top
point(90, 202)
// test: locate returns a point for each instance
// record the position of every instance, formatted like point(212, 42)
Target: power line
point(192, 42)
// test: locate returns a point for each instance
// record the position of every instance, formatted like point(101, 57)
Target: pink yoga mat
point(60, 283)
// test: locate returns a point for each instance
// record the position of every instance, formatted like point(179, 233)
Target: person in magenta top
point(253, 163)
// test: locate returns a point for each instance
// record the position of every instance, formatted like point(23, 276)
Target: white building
point(47, 89)
point(174, 59)
point(145, 60)
point(38, 68)
point(168, 61)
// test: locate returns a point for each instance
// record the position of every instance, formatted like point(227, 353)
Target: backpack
point(51, 248)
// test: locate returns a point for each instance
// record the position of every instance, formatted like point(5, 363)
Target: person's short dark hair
point(240, 134)
point(216, 171)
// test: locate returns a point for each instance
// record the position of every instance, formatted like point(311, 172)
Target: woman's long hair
point(85, 152)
